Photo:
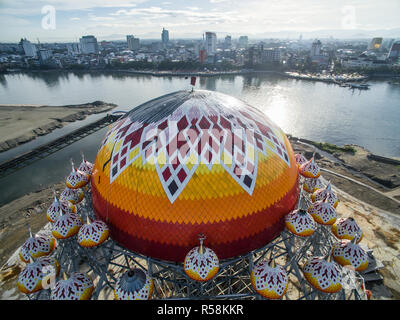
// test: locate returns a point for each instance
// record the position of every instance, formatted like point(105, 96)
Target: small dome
point(66, 226)
point(300, 223)
point(134, 284)
point(322, 212)
point(36, 246)
point(348, 253)
point(78, 286)
point(325, 193)
point(93, 234)
point(30, 278)
point(310, 169)
point(268, 280)
point(201, 263)
point(347, 228)
point(323, 275)
point(77, 179)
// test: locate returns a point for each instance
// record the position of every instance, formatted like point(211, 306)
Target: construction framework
point(106, 262)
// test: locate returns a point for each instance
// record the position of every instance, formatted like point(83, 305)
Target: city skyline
point(58, 21)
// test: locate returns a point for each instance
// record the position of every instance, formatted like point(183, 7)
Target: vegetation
point(332, 148)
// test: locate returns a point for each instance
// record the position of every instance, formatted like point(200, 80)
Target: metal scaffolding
point(108, 261)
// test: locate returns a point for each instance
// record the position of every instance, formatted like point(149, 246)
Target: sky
point(65, 21)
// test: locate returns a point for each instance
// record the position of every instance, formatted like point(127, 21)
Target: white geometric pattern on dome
point(274, 279)
point(326, 273)
point(350, 252)
point(201, 264)
point(72, 288)
point(157, 143)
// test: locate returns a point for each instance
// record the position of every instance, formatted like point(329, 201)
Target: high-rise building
point(29, 48)
point(89, 44)
point(375, 44)
point(165, 36)
point(211, 43)
point(228, 42)
point(394, 53)
point(316, 48)
point(133, 43)
point(243, 41)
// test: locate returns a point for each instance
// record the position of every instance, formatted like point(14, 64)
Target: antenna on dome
point(193, 82)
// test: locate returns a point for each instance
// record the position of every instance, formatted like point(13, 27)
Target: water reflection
point(3, 81)
point(312, 110)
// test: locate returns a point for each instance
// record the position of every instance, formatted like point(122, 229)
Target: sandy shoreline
point(23, 123)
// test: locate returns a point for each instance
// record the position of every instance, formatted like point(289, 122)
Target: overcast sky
point(188, 18)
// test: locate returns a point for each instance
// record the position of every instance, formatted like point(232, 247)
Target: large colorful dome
point(191, 163)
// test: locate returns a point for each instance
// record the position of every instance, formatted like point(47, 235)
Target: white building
point(211, 43)
point(89, 44)
point(30, 49)
point(271, 55)
point(133, 43)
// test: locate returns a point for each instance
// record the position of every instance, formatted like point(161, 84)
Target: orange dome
point(194, 162)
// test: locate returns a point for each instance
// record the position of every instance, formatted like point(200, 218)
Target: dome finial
point(202, 237)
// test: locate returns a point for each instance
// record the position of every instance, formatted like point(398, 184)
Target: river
point(313, 110)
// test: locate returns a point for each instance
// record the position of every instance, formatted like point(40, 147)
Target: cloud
point(29, 7)
point(93, 17)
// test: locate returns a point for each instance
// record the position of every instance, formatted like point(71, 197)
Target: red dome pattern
point(189, 163)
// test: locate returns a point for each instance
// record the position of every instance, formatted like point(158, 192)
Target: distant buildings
point(133, 43)
point(394, 53)
point(316, 48)
point(271, 55)
point(317, 55)
point(243, 41)
point(202, 56)
point(89, 45)
point(164, 37)
point(228, 42)
point(29, 48)
point(73, 49)
point(45, 54)
point(211, 43)
point(375, 44)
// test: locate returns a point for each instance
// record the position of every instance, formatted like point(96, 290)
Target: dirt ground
point(22, 123)
point(375, 207)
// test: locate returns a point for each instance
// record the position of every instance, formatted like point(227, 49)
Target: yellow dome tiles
point(231, 175)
